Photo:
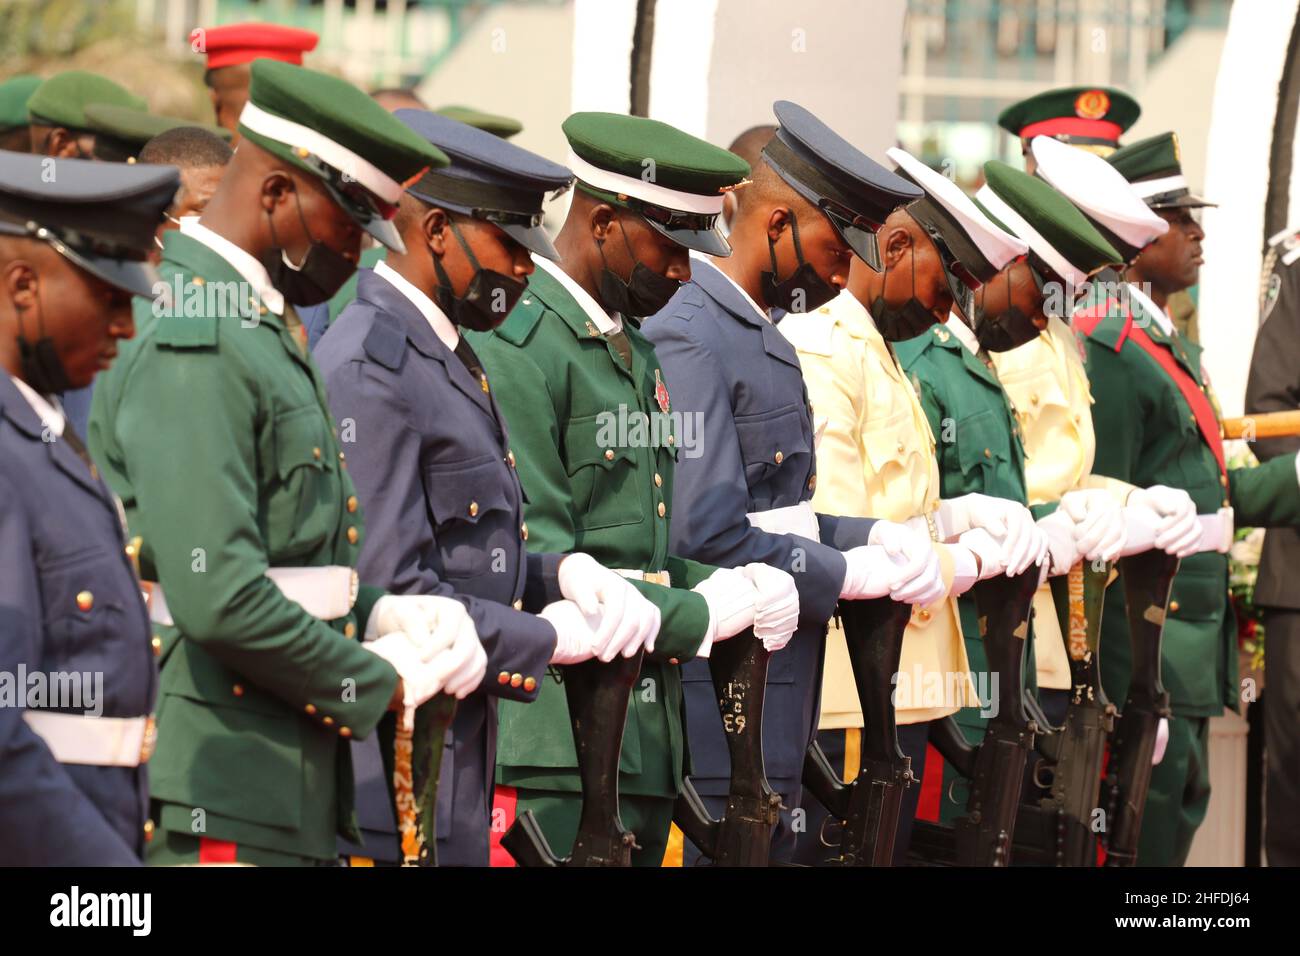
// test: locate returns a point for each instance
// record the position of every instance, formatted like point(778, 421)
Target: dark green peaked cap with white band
point(1154, 168)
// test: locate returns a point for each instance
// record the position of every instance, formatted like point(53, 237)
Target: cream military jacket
point(876, 457)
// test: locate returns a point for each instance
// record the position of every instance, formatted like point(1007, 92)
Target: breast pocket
point(775, 444)
point(475, 514)
point(893, 447)
point(602, 472)
point(303, 510)
point(1034, 393)
point(983, 445)
point(87, 618)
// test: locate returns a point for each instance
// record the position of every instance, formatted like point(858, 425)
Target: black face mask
point(898, 323)
point(645, 292)
point(1005, 331)
point(321, 273)
point(803, 290)
point(41, 367)
point(487, 300)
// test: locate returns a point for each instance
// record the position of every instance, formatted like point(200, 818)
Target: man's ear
point(434, 226)
point(21, 284)
point(277, 187)
point(602, 219)
point(896, 243)
point(777, 221)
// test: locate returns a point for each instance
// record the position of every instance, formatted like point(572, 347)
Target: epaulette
point(1286, 244)
point(1104, 322)
point(385, 343)
point(687, 303)
point(186, 331)
point(523, 318)
point(810, 332)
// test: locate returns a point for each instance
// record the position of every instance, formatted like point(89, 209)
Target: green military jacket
point(215, 433)
point(595, 482)
point(1147, 435)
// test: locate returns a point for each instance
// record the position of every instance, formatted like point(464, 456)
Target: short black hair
point(190, 147)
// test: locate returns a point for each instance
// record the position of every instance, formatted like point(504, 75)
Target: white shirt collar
point(965, 335)
point(700, 257)
point(437, 319)
point(252, 271)
point(602, 320)
point(1149, 307)
point(47, 410)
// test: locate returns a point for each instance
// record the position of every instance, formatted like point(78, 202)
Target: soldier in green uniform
point(1161, 425)
point(590, 413)
point(214, 431)
point(14, 94)
point(56, 112)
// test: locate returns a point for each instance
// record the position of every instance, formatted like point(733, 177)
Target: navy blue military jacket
point(740, 380)
point(69, 603)
point(431, 463)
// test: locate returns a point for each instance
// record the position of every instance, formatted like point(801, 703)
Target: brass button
point(349, 629)
point(923, 615)
point(1192, 417)
point(352, 535)
point(327, 720)
point(510, 459)
point(197, 280)
point(156, 644)
point(673, 660)
point(987, 453)
point(901, 446)
point(518, 605)
point(342, 457)
point(345, 731)
point(1173, 607)
point(238, 690)
point(671, 440)
point(148, 830)
point(131, 551)
point(85, 600)
point(503, 678)
point(315, 453)
point(352, 504)
point(473, 509)
point(530, 684)
point(609, 454)
point(516, 680)
point(310, 709)
point(1034, 398)
point(659, 480)
point(1223, 480)
point(778, 457)
point(523, 530)
point(662, 509)
point(812, 483)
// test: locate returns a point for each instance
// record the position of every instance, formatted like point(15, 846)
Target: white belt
point(797, 519)
point(97, 741)
point(326, 593)
point(1216, 531)
point(653, 577)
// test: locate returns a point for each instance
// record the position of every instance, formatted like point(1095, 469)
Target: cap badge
point(1092, 104)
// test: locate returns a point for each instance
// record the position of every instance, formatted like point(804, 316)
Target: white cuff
point(965, 569)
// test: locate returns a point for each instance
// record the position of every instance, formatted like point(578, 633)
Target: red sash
point(1206, 419)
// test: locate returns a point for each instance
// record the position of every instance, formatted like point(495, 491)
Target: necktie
point(293, 322)
point(618, 339)
point(471, 361)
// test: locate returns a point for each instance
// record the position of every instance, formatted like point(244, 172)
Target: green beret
point(62, 99)
point(503, 126)
point(1078, 115)
point(14, 94)
point(631, 146)
point(1058, 234)
point(328, 127)
point(121, 132)
point(1154, 168)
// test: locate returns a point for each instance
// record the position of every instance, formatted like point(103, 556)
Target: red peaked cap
point(237, 43)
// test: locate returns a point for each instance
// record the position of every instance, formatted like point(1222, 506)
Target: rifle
point(598, 695)
point(417, 763)
point(868, 807)
point(1148, 579)
point(743, 837)
point(1057, 829)
point(996, 767)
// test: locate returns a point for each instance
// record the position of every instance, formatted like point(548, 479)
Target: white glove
point(731, 597)
point(776, 613)
point(627, 620)
point(897, 561)
point(457, 669)
point(965, 566)
point(870, 573)
point(575, 632)
point(1162, 741)
point(1062, 553)
point(1009, 522)
point(1099, 526)
point(1170, 513)
point(428, 621)
point(985, 547)
point(461, 667)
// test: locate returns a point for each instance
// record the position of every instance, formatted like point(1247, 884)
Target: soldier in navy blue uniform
point(814, 203)
point(73, 786)
point(433, 465)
